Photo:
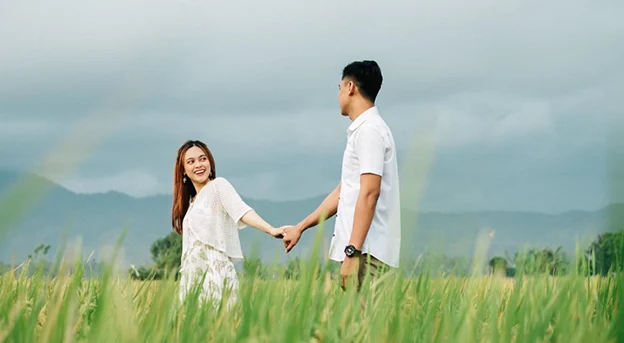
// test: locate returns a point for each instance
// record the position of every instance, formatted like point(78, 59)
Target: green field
point(113, 308)
point(67, 302)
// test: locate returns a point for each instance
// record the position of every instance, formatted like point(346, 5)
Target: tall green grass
point(68, 307)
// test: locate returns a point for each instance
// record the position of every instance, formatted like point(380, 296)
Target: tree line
point(605, 255)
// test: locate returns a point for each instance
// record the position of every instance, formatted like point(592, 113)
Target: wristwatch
point(351, 251)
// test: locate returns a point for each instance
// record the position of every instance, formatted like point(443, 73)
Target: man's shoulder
point(376, 126)
point(377, 122)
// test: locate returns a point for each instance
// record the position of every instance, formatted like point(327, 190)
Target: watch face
point(349, 250)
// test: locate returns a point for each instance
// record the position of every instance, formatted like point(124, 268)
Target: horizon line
point(157, 195)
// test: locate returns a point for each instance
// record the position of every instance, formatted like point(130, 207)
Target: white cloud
point(199, 55)
point(257, 82)
point(134, 183)
point(18, 130)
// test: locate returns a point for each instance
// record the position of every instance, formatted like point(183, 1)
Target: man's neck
point(360, 108)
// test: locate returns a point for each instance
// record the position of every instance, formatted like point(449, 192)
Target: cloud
point(133, 182)
point(503, 87)
point(195, 56)
point(19, 130)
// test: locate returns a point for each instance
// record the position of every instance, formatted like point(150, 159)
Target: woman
point(207, 212)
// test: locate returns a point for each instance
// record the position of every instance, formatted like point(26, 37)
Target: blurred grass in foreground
point(112, 308)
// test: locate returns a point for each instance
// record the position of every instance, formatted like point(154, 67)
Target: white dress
point(210, 242)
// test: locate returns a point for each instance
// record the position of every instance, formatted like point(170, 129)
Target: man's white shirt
point(370, 149)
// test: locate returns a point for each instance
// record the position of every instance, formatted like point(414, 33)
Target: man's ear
point(351, 87)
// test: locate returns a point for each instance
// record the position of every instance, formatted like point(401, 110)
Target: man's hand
point(291, 236)
point(349, 270)
point(327, 209)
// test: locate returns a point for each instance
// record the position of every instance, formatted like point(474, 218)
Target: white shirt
point(370, 149)
point(213, 218)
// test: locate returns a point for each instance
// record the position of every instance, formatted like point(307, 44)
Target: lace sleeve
point(231, 201)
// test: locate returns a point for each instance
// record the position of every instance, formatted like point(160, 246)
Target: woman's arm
point(239, 211)
point(252, 218)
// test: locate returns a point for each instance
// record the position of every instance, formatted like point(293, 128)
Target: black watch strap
point(351, 251)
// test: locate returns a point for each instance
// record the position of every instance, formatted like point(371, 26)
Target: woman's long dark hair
point(183, 192)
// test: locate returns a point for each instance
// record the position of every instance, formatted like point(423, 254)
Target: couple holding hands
point(208, 212)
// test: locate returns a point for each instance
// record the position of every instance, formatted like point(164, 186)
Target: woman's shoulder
point(220, 180)
point(223, 189)
point(222, 184)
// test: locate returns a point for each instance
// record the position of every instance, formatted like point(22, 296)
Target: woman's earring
point(184, 179)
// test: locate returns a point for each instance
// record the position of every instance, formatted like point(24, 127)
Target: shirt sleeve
point(231, 201)
point(371, 150)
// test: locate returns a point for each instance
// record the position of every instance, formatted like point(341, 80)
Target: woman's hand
point(251, 218)
point(277, 232)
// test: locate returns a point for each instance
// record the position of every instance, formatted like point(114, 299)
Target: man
point(367, 236)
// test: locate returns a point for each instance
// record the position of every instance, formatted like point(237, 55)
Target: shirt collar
point(362, 118)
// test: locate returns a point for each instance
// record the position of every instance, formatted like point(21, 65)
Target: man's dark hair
point(367, 77)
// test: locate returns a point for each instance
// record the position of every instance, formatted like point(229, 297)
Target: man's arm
point(326, 210)
point(370, 149)
point(370, 187)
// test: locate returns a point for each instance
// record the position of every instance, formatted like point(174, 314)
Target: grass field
point(111, 308)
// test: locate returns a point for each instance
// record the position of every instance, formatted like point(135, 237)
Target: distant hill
point(100, 218)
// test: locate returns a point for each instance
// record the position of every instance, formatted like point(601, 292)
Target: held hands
point(288, 233)
point(291, 235)
point(276, 232)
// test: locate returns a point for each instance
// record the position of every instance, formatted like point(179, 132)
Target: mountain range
point(99, 220)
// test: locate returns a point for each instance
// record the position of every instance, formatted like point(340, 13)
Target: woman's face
point(196, 165)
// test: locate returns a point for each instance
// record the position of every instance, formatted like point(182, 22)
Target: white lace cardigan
point(214, 217)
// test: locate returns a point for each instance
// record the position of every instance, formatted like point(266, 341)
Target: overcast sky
point(494, 104)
